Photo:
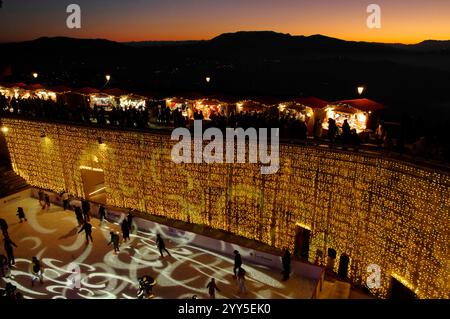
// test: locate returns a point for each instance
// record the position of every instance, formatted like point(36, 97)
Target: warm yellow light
point(362, 118)
point(208, 79)
point(360, 90)
point(4, 129)
point(35, 75)
point(108, 77)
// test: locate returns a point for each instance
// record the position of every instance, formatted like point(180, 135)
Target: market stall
point(358, 113)
point(208, 107)
point(133, 101)
point(306, 109)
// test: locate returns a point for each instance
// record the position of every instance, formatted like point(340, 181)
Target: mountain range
point(407, 78)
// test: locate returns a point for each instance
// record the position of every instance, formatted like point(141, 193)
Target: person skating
point(8, 245)
point(286, 261)
point(4, 227)
point(79, 216)
point(212, 287)
point(130, 220)
point(41, 198)
point(102, 213)
point(21, 214)
point(65, 198)
point(46, 202)
point(125, 230)
point(36, 271)
point(87, 227)
point(241, 280)
point(3, 266)
point(86, 207)
point(237, 262)
point(161, 245)
point(115, 241)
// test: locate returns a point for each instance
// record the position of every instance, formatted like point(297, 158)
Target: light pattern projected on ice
point(53, 237)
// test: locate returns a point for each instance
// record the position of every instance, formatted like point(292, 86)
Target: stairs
point(10, 182)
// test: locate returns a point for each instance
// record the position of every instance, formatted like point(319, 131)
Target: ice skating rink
point(52, 237)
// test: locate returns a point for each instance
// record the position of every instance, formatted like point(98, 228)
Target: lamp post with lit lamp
point(361, 89)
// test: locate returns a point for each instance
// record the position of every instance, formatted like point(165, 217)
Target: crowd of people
point(291, 126)
point(82, 210)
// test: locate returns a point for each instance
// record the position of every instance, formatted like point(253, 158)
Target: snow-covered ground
point(52, 237)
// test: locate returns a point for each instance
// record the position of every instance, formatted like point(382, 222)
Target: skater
point(88, 230)
point(161, 245)
point(146, 284)
point(125, 230)
point(46, 202)
point(115, 241)
point(65, 198)
point(86, 207)
point(8, 244)
point(212, 287)
point(36, 271)
point(4, 227)
point(286, 261)
point(79, 215)
point(3, 266)
point(241, 281)
point(237, 262)
point(102, 213)
point(21, 214)
point(41, 198)
point(130, 220)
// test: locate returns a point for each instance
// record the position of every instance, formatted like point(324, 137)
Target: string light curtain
point(375, 210)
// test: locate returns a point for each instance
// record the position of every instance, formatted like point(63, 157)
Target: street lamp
point(208, 79)
point(108, 77)
point(361, 89)
point(35, 75)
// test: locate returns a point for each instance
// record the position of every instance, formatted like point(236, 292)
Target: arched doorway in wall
point(302, 242)
point(93, 180)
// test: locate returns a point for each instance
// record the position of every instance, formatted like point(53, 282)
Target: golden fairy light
point(375, 210)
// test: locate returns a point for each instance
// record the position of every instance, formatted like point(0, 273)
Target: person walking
point(237, 262)
point(86, 207)
point(36, 271)
point(241, 280)
point(87, 227)
point(212, 287)
point(4, 227)
point(8, 245)
point(65, 198)
point(125, 230)
point(161, 245)
point(79, 215)
point(115, 241)
point(21, 214)
point(286, 261)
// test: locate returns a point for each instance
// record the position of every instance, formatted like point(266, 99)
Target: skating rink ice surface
point(52, 237)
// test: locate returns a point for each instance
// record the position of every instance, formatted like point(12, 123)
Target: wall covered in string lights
point(375, 210)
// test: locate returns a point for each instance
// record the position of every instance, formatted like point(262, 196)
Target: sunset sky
point(406, 21)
